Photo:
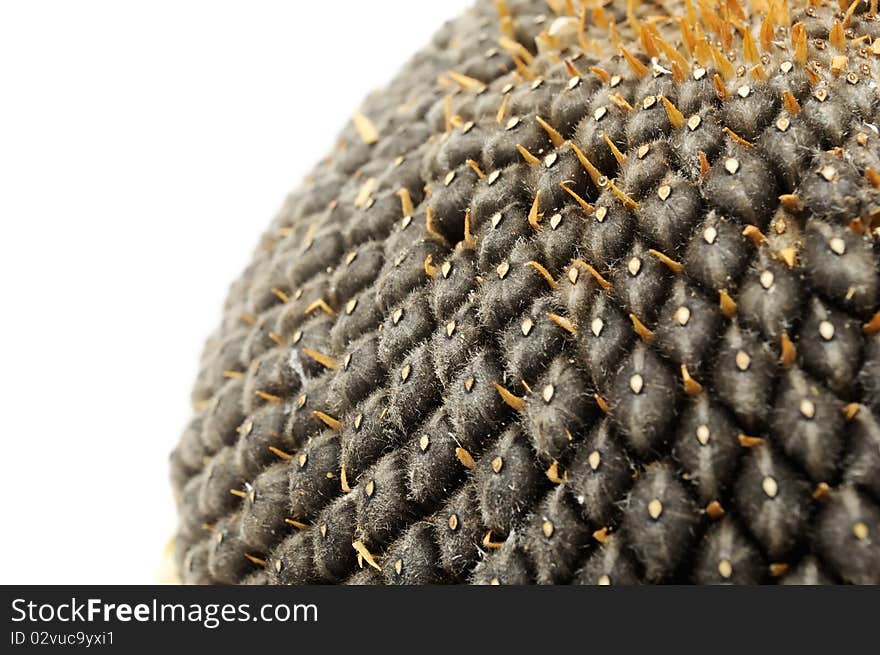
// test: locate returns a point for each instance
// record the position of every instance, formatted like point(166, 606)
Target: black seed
point(773, 501)
point(660, 521)
point(847, 536)
point(506, 495)
point(741, 185)
point(707, 446)
point(600, 474)
point(728, 557)
point(559, 411)
point(643, 400)
point(554, 538)
point(506, 566)
point(610, 563)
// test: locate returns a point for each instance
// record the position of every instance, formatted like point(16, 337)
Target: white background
point(143, 148)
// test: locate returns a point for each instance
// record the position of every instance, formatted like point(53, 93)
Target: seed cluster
point(588, 294)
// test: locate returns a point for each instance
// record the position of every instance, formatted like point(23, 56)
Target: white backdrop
point(143, 148)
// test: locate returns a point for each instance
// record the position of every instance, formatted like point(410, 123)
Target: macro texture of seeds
point(588, 294)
